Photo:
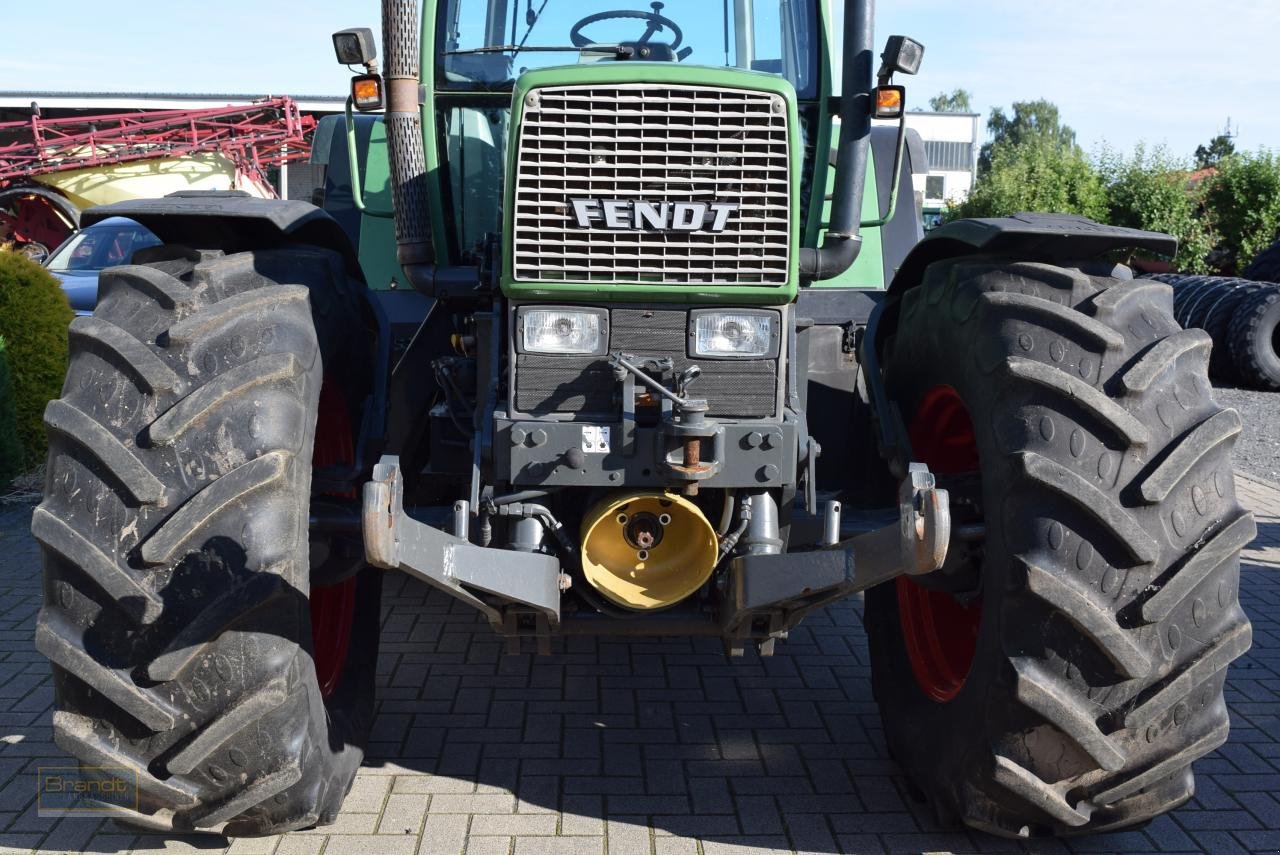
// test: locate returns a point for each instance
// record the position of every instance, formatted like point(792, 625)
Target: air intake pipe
point(843, 242)
point(406, 158)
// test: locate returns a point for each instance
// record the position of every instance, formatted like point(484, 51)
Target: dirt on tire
point(1109, 572)
point(175, 541)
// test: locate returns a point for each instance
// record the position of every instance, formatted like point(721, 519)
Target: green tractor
point(622, 322)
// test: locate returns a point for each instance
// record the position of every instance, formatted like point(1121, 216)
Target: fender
point(1053, 238)
point(1029, 237)
point(234, 221)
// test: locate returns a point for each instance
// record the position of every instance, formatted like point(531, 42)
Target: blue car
point(89, 251)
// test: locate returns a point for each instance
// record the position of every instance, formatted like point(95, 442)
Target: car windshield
point(487, 45)
point(101, 246)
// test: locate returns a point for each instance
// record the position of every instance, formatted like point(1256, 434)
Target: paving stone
point(642, 746)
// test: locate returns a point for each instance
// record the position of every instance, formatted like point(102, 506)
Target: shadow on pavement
point(777, 753)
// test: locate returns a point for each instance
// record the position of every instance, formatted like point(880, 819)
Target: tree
point(1036, 174)
point(1242, 201)
point(958, 101)
point(1223, 145)
point(1031, 120)
point(1151, 191)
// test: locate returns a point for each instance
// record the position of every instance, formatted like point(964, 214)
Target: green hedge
point(1242, 199)
point(34, 315)
point(10, 448)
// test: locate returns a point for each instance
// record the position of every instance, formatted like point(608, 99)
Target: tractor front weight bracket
point(498, 582)
point(777, 591)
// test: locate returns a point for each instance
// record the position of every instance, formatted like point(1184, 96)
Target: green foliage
point(10, 449)
point(1036, 175)
point(34, 315)
point(1211, 155)
point(1031, 120)
point(1242, 201)
point(1223, 145)
point(957, 101)
point(1151, 191)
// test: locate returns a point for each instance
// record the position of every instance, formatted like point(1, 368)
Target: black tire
point(1186, 289)
point(1265, 266)
point(1109, 571)
point(1217, 323)
point(1254, 339)
point(175, 539)
point(1210, 303)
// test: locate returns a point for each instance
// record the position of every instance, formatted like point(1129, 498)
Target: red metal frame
point(255, 137)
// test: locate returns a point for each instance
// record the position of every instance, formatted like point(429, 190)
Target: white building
point(951, 141)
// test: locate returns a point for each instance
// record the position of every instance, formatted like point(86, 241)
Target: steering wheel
point(657, 23)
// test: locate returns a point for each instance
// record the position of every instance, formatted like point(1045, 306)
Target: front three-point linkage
point(684, 418)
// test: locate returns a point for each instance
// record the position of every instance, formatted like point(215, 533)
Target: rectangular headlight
point(566, 332)
point(740, 333)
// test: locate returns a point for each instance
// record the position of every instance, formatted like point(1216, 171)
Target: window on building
point(935, 187)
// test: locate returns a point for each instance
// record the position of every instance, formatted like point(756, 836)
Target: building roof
point(944, 113)
point(14, 100)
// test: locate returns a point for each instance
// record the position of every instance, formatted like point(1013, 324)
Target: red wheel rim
point(333, 608)
point(33, 220)
point(939, 632)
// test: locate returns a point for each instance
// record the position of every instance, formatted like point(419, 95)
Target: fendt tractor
point(623, 323)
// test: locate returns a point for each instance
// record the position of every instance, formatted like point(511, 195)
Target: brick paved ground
point(639, 746)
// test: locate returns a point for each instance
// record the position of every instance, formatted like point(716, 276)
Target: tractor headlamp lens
point(563, 331)
point(729, 334)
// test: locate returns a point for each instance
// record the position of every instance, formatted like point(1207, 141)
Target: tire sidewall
point(948, 737)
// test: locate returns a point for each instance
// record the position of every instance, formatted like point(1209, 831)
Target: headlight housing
point(560, 331)
point(733, 334)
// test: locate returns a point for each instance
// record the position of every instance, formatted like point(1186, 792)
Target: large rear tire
point(175, 538)
point(1060, 675)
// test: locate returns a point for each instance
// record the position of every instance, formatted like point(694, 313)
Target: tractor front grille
point(653, 144)
point(585, 385)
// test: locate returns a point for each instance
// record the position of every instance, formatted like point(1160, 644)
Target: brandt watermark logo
point(85, 790)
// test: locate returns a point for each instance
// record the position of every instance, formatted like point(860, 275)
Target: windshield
point(100, 247)
point(488, 45)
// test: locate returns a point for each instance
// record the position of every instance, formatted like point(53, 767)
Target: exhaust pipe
point(843, 241)
point(405, 155)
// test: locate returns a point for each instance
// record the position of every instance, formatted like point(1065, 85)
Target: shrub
point(1151, 191)
point(1036, 175)
point(1242, 199)
point(34, 315)
point(10, 449)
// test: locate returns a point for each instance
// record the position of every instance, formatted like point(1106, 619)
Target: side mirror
point(355, 46)
point(901, 54)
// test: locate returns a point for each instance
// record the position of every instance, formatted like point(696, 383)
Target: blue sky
point(1122, 71)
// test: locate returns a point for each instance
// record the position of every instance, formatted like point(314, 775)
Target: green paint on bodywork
point(610, 73)
point(377, 249)
point(868, 269)
point(430, 138)
point(377, 243)
point(820, 169)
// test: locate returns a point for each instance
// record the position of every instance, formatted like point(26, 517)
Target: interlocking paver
point(641, 746)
